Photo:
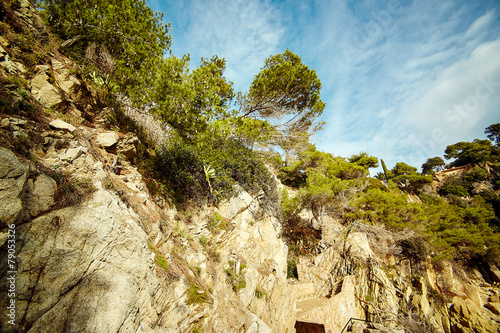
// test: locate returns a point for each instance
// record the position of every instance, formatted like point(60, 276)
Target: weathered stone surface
point(493, 307)
point(62, 125)
point(335, 312)
point(467, 317)
point(9, 65)
point(42, 196)
point(4, 123)
point(44, 92)
point(359, 246)
point(107, 139)
point(82, 268)
point(235, 205)
point(13, 181)
point(128, 146)
point(72, 154)
point(63, 78)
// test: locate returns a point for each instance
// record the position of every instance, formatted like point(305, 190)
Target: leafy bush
point(385, 207)
point(182, 169)
point(457, 190)
point(414, 248)
point(180, 164)
point(136, 37)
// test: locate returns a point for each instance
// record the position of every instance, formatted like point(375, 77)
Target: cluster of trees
point(283, 101)
point(464, 153)
point(126, 44)
point(461, 219)
point(217, 133)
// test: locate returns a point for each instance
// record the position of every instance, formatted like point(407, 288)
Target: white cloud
point(242, 32)
point(462, 100)
point(480, 24)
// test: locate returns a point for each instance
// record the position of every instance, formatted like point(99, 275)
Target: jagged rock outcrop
point(13, 182)
point(89, 268)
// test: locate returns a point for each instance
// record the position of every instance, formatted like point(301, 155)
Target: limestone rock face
point(13, 181)
point(42, 195)
point(43, 90)
point(88, 265)
point(63, 78)
point(336, 311)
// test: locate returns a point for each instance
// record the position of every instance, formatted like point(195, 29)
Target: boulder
point(63, 78)
point(128, 146)
point(42, 195)
point(13, 181)
point(359, 246)
point(465, 316)
point(107, 139)
point(81, 269)
point(72, 154)
point(62, 125)
point(44, 92)
point(9, 65)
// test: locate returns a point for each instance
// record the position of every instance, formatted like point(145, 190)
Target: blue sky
point(401, 79)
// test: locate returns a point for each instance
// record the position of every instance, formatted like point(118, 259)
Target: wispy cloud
point(242, 32)
point(386, 99)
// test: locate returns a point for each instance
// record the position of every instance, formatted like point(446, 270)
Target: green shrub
point(195, 295)
point(180, 164)
point(237, 280)
point(457, 190)
point(203, 240)
point(291, 270)
point(259, 293)
point(216, 223)
point(414, 248)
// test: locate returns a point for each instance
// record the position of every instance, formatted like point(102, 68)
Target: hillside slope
point(99, 248)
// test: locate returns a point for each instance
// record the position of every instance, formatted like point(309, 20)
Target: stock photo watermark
point(373, 31)
point(11, 275)
point(455, 116)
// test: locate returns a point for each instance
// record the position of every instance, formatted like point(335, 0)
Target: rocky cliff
point(88, 245)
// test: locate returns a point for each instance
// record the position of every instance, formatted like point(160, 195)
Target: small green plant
point(259, 293)
point(179, 231)
point(196, 270)
point(159, 259)
point(214, 254)
point(291, 271)
point(196, 295)
point(216, 223)
point(237, 280)
point(109, 183)
point(204, 240)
